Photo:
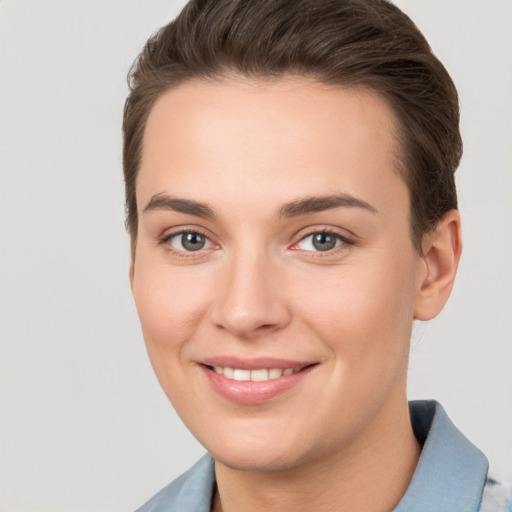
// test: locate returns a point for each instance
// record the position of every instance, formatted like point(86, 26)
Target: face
point(275, 276)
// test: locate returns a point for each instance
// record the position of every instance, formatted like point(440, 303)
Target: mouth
point(254, 382)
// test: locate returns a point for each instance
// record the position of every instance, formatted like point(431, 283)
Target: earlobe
point(441, 254)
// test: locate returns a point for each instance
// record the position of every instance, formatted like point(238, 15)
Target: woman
point(292, 209)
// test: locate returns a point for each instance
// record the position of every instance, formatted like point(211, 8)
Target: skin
point(259, 288)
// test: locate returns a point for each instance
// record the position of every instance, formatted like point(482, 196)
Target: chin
point(256, 460)
point(258, 451)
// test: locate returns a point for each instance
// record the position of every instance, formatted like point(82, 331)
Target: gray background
point(84, 425)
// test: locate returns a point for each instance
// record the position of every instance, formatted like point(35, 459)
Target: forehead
point(270, 138)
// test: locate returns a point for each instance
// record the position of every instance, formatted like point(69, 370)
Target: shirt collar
point(450, 475)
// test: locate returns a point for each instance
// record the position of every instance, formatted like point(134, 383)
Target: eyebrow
point(305, 206)
point(309, 205)
point(189, 206)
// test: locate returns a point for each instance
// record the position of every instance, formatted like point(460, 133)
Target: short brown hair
point(349, 43)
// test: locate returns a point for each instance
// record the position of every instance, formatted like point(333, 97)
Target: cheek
point(364, 315)
point(169, 305)
point(170, 309)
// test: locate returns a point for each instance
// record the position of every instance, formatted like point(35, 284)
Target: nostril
point(267, 326)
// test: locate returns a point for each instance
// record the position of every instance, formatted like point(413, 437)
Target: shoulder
point(497, 496)
point(192, 491)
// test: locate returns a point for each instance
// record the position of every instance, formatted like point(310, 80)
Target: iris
point(193, 241)
point(324, 241)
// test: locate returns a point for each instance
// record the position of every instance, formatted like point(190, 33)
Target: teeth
point(259, 375)
point(275, 373)
point(254, 375)
point(229, 373)
point(242, 375)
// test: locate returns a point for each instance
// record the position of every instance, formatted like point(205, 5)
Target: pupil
point(324, 241)
point(192, 241)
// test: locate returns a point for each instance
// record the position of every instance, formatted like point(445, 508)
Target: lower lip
point(253, 392)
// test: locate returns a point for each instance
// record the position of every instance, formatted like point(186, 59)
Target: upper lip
point(254, 363)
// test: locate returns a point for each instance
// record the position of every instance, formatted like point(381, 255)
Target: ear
point(441, 254)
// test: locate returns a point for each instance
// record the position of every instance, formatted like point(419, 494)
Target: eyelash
point(345, 241)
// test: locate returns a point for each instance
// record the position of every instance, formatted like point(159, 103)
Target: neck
point(372, 473)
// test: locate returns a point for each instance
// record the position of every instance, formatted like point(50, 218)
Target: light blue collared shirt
point(451, 475)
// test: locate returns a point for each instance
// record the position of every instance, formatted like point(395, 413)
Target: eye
point(320, 241)
point(188, 241)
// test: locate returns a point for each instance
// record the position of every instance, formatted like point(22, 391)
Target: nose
point(251, 299)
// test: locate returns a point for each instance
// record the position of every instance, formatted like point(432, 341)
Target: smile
point(253, 382)
point(259, 375)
